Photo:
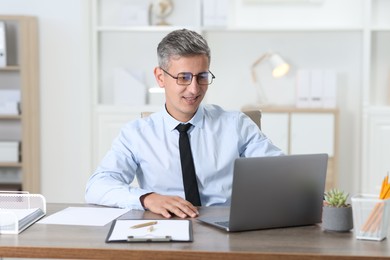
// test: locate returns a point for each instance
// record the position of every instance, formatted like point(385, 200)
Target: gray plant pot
point(337, 219)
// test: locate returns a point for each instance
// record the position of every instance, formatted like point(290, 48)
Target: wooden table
point(83, 242)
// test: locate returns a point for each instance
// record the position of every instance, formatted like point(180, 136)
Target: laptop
point(275, 192)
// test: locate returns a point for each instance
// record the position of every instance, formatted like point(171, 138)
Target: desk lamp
point(279, 69)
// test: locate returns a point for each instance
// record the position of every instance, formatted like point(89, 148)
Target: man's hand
point(167, 205)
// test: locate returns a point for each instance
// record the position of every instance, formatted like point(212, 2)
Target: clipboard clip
point(149, 238)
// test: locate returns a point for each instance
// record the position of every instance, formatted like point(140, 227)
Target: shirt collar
point(196, 120)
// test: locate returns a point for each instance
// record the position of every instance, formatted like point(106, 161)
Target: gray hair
point(180, 43)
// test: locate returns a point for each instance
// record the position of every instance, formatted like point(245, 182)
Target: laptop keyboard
point(223, 223)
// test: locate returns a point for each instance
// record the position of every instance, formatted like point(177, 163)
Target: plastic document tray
point(18, 211)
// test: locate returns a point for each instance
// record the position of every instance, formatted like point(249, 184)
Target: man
point(148, 148)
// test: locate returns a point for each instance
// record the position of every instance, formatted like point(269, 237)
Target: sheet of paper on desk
point(84, 216)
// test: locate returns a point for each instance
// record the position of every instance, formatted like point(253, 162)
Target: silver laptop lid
point(281, 191)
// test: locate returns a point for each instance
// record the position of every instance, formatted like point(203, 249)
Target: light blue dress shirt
point(148, 148)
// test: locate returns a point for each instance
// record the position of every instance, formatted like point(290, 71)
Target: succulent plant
point(336, 198)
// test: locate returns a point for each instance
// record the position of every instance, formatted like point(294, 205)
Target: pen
point(144, 224)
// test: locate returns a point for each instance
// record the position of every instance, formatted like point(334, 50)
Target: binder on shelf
point(9, 151)
point(9, 102)
point(3, 53)
point(303, 88)
point(19, 210)
point(316, 88)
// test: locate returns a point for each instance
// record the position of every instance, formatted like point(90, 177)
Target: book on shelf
point(3, 53)
point(10, 101)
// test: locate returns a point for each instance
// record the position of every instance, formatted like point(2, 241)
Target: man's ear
point(159, 75)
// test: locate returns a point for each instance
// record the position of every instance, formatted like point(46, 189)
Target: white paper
point(84, 216)
point(179, 230)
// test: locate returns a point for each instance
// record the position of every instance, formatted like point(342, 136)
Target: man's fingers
point(185, 207)
point(176, 207)
point(165, 213)
point(165, 205)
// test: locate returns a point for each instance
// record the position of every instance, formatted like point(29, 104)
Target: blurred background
point(95, 63)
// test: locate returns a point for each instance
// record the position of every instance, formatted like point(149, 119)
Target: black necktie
point(187, 166)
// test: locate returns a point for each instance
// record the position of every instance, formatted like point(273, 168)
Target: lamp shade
point(279, 69)
point(279, 66)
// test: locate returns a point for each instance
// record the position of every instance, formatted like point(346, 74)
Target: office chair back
point(255, 115)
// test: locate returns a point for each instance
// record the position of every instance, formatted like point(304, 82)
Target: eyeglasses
point(185, 78)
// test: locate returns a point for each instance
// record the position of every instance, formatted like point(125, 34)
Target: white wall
point(65, 94)
point(66, 99)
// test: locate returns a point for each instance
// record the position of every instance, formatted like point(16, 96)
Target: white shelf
point(283, 29)
point(244, 19)
point(10, 68)
point(381, 29)
point(379, 109)
point(349, 36)
point(22, 74)
point(142, 28)
point(229, 29)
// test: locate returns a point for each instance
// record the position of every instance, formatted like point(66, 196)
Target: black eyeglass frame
point(192, 77)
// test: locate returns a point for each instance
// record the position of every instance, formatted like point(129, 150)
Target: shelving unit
point(21, 73)
point(349, 37)
point(376, 96)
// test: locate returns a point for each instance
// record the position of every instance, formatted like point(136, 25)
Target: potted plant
point(337, 213)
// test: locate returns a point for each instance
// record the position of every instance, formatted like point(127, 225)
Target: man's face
point(183, 101)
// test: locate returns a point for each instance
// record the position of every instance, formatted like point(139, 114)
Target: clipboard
point(151, 230)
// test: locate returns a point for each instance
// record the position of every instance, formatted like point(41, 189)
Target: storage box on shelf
point(19, 116)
